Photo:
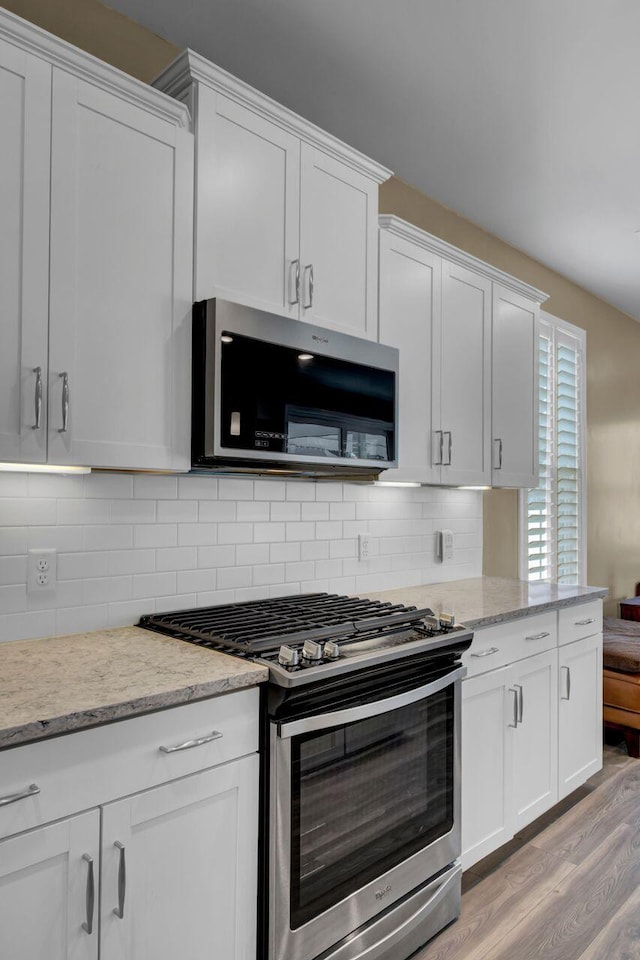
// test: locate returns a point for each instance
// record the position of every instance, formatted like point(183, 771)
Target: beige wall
point(613, 339)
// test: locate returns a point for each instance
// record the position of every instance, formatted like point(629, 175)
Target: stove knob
point(331, 650)
point(432, 623)
point(447, 620)
point(288, 657)
point(312, 651)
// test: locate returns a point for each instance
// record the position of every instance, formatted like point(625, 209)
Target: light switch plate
point(445, 546)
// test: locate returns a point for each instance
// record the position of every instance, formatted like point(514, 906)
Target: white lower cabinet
point(164, 872)
point(532, 726)
point(580, 682)
point(45, 891)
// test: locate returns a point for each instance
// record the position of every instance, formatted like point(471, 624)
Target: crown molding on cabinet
point(177, 80)
point(448, 252)
point(19, 32)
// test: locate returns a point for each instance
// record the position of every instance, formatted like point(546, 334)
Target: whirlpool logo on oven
point(382, 893)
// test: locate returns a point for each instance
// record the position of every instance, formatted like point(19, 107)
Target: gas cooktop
point(306, 637)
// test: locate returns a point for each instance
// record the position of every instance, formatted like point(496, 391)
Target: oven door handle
point(366, 710)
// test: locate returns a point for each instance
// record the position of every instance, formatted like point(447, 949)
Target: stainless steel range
point(361, 838)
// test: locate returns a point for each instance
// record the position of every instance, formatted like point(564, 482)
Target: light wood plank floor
point(566, 888)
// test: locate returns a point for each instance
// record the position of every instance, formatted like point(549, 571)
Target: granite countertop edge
point(75, 721)
point(596, 593)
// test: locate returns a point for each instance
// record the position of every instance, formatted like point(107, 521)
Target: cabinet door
point(535, 739)
point(338, 245)
point(185, 877)
point(44, 891)
point(247, 207)
point(121, 184)
point(515, 390)
point(465, 416)
point(487, 712)
point(25, 103)
point(409, 301)
point(580, 719)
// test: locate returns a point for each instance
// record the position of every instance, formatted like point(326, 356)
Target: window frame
point(580, 335)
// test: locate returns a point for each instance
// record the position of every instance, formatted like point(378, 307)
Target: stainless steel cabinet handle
point(87, 926)
point(31, 791)
point(583, 623)
point(37, 400)
point(65, 402)
point(568, 686)
point(487, 653)
point(538, 636)
point(188, 744)
point(122, 880)
point(518, 687)
point(447, 433)
point(296, 282)
point(515, 707)
point(437, 460)
point(308, 272)
point(499, 464)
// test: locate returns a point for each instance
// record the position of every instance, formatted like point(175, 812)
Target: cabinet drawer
point(581, 620)
point(504, 643)
point(82, 770)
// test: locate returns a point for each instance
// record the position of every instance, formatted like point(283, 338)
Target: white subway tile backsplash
point(177, 511)
point(27, 512)
point(155, 535)
point(176, 558)
point(197, 488)
point(129, 545)
point(155, 488)
point(13, 570)
point(196, 581)
point(215, 510)
point(154, 585)
point(222, 555)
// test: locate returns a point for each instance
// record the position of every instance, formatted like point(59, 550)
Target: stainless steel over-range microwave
point(277, 395)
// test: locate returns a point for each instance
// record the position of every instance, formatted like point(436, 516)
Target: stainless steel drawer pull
point(87, 926)
point(515, 707)
point(439, 448)
point(449, 447)
point(188, 744)
point(295, 276)
point(37, 400)
point(122, 880)
point(583, 623)
point(568, 686)
point(498, 466)
point(31, 791)
point(65, 402)
point(487, 653)
point(538, 636)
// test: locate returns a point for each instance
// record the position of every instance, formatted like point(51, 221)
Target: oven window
point(365, 797)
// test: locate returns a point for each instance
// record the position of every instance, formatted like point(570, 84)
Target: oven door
point(364, 807)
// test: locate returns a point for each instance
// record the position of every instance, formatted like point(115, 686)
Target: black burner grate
point(262, 625)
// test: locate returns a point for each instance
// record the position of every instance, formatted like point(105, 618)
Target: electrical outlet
point(364, 546)
point(42, 573)
point(445, 546)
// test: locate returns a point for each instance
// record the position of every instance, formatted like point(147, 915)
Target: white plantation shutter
point(552, 524)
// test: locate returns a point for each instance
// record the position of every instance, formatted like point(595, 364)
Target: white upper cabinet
point(409, 306)
point(286, 215)
point(515, 389)
point(465, 376)
point(463, 329)
point(117, 192)
point(25, 96)
point(95, 261)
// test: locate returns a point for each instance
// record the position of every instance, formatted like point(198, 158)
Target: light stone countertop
point(60, 684)
point(481, 601)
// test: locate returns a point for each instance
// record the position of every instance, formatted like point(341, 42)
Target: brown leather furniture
point(621, 680)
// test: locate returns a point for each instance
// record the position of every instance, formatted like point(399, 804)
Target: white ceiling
point(522, 115)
